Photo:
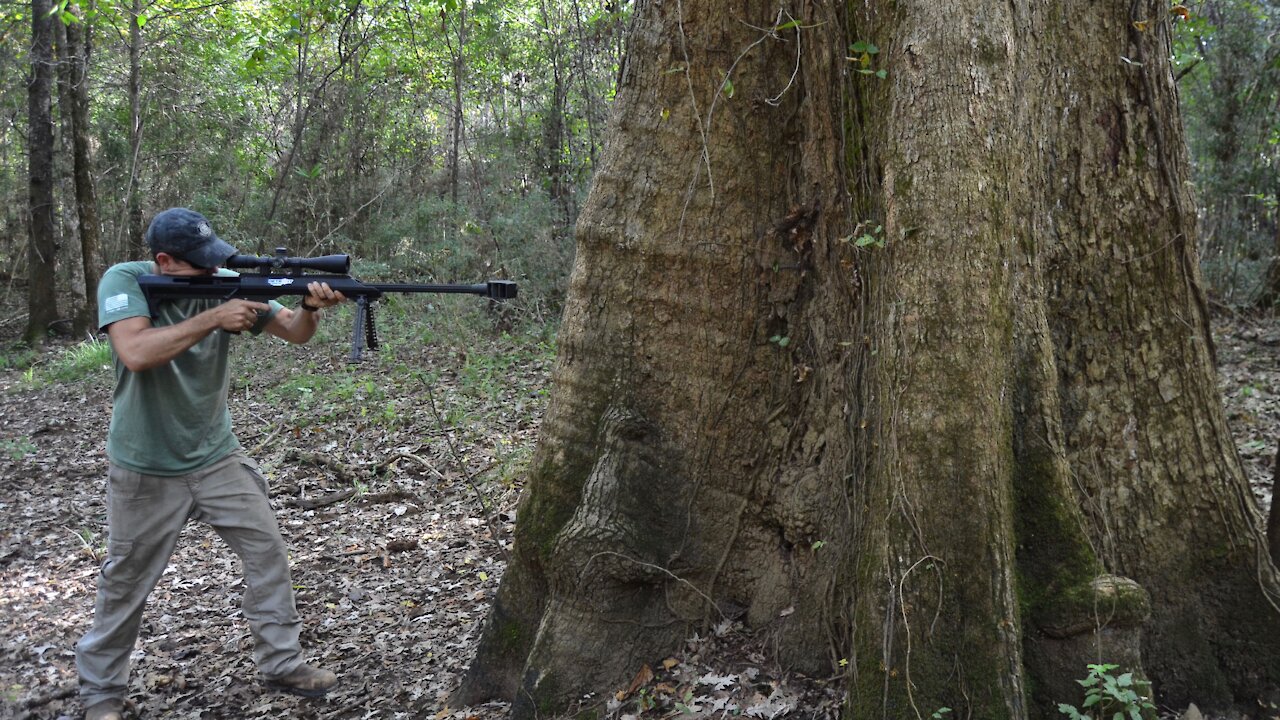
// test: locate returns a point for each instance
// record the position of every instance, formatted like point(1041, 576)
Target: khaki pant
point(145, 514)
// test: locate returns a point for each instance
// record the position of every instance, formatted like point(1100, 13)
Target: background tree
point(327, 127)
point(1229, 72)
point(42, 248)
point(83, 258)
point(908, 365)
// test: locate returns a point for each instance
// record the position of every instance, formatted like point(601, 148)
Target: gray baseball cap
point(187, 234)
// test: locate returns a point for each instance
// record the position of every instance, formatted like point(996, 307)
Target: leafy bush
point(1110, 696)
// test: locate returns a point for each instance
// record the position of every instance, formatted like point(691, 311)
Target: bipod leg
point(357, 332)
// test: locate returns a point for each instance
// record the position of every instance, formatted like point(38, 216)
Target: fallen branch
point(61, 693)
point(345, 472)
point(312, 504)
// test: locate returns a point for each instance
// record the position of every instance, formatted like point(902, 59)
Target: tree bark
point(134, 246)
point(83, 271)
point(909, 370)
point(1273, 516)
point(78, 46)
point(42, 250)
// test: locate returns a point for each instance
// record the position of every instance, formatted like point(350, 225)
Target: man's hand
point(322, 296)
point(239, 315)
point(299, 325)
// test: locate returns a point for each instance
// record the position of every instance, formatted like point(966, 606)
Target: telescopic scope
point(281, 263)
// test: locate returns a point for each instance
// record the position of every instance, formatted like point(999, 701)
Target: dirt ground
point(396, 494)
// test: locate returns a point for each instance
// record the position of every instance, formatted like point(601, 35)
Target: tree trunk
point(84, 311)
point(134, 246)
point(911, 370)
point(457, 121)
point(1269, 294)
point(42, 251)
point(1273, 516)
point(78, 44)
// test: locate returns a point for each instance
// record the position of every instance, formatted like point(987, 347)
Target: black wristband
point(307, 307)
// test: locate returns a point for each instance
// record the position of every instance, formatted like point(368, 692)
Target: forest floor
point(395, 483)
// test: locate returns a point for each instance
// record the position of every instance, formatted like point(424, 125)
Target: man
point(173, 457)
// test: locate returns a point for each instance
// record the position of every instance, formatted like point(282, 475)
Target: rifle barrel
point(497, 289)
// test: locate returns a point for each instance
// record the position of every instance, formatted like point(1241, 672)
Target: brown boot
point(306, 681)
point(112, 709)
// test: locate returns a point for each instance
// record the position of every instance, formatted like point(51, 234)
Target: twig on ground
point(485, 504)
point(60, 693)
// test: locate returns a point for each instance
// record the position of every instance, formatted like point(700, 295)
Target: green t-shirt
point(171, 419)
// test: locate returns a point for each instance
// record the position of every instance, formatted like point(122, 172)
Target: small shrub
point(74, 364)
point(1110, 696)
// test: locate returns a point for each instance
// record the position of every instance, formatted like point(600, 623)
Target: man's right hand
point(239, 315)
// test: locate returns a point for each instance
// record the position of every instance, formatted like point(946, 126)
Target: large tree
point(945, 319)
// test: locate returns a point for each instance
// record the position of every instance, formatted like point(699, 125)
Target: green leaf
point(788, 25)
point(727, 89)
point(142, 21)
point(1092, 700)
point(882, 74)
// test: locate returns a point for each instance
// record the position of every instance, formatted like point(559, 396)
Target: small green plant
point(863, 53)
point(866, 235)
point(78, 362)
point(17, 448)
point(1110, 696)
point(940, 713)
point(17, 356)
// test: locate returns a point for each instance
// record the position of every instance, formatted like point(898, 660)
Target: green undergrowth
point(86, 361)
point(446, 367)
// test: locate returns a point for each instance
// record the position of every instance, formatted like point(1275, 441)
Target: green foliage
point(16, 356)
point(1229, 86)
point(862, 54)
point(16, 448)
point(331, 127)
point(865, 235)
point(1109, 696)
point(91, 358)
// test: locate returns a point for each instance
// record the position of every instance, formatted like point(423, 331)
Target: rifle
point(281, 275)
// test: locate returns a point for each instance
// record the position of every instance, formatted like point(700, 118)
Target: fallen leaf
point(641, 679)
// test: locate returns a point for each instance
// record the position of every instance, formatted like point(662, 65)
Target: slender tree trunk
point(553, 124)
point(908, 369)
point(1273, 516)
point(42, 250)
point(79, 39)
point(134, 245)
point(72, 260)
point(1269, 296)
point(457, 122)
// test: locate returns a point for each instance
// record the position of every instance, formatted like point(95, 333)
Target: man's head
point(186, 235)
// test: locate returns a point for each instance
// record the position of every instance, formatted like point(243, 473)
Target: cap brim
point(213, 253)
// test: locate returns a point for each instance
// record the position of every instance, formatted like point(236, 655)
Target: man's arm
point(142, 347)
point(298, 326)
